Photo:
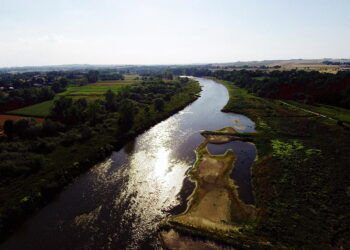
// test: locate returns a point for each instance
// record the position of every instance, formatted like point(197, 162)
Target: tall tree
point(92, 76)
point(8, 128)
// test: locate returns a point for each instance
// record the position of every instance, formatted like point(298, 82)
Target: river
point(119, 203)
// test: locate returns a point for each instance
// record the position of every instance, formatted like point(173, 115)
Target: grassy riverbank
point(73, 153)
point(301, 179)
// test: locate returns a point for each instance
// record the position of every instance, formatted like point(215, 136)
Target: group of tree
point(335, 63)
point(67, 112)
point(111, 76)
point(28, 128)
point(27, 96)
point(167, 75)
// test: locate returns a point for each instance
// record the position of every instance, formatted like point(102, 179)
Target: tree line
point(308, 86)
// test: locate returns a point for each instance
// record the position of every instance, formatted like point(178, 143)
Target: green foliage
point(111, 101)
point(86, 133)
point(95, 112)
point(59, 86)
point(159, 104)
point(285, 150)
point(8, 128)
point(51, 128)
point(92, 76)
point(310, 87)
point(127, 113)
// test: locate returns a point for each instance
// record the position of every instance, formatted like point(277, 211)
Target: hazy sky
point(49, 32)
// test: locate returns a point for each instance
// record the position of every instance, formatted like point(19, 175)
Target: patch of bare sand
point(228, 130)
point(220, 139)
point(214, 206)
point(240, 127)
point(181, 242)
point(223, 135)
point(206, 170)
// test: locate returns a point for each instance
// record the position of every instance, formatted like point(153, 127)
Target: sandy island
point(214, 209)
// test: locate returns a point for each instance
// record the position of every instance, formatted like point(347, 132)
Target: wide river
point(119, 203)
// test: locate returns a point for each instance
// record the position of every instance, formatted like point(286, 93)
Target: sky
point(54, 32)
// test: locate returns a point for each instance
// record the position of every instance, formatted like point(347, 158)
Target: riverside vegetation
point(38, 159)
point(300, 180)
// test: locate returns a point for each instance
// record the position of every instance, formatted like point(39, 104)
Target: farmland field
point(128, 79)
point(89, 92)
point(38, 110)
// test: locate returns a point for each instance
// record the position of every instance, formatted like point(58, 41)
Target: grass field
point(89, 92)
point(37, 110)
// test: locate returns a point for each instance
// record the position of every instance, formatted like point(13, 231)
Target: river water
point(119, 203)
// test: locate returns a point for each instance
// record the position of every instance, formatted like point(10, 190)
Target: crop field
point(37, 110)
point(333, 69)
point(128, 79)
point(89, 92)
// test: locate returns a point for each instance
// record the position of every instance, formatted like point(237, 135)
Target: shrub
point(86, 133)
point(159, 104)
point(70, 138)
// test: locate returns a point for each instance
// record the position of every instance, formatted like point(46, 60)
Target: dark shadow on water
point(241, 174)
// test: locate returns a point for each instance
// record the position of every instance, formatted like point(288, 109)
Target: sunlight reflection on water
point(119, 203)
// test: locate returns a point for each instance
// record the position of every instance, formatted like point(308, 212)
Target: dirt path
point(309, 111)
